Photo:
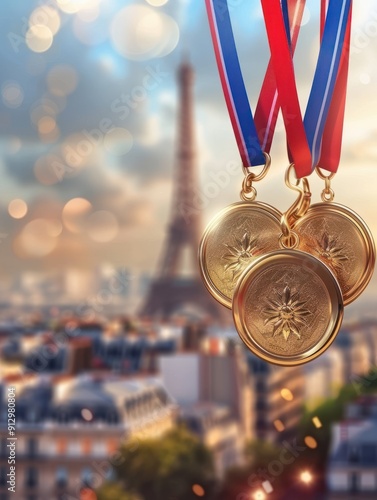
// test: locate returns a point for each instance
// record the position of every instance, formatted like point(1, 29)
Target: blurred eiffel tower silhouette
point(169, 292)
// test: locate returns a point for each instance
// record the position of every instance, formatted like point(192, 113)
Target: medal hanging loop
point(289, 239)
point(302, 204)
point(327, 194)
point(248, 191)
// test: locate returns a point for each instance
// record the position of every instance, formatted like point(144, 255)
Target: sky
point(88, 116)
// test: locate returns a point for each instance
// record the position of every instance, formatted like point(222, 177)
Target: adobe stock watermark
point(267, 476)
point(218, 181)
point(44, 13)
point(121, 107)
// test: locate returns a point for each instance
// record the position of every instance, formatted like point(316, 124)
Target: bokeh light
point(90, 14)
point(267, 486)
point(306, 477)
point(45, 16)
point(139, 32)
point(89, 34)
point(17, 208)
point(157, 3)
point(259, 495)
point(12, 94)
point(75, 6)
point(86, 414)
point(311, 442)
point(316, 422)
point(75, 213)
point(46, 125)
point(37, 239)
point(88, 494)
point(118, 141)
point(39, 38)
point(198, 490)
point(279, 426)
point(102, 226)
point(42, 108)
point(62, 80)
point(286, 394)
point(69, 6)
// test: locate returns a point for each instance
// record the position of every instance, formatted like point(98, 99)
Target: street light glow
point(306, 477)
point(259, 495)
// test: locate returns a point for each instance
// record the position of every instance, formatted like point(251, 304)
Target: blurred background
point(131, 383)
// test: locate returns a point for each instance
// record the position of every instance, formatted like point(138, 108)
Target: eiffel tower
point(169, 292)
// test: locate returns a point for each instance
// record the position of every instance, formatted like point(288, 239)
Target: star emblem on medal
point(240, 254)
point(286, 313)
point(331, 252)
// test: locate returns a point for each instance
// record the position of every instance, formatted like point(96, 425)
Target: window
point(31, 477)
point(3, 476)
point(111, 417)
point(261, 405)
point(260, 386)
point(86, 477)
point(61, 446)
point(32, 447)
point(353, 456)
point(86, 446)
point(261, 424)
point(63, 417)
point(3, 448)
point(354, 482)
point(112, 446)
point(61, 477)
point(368, 454)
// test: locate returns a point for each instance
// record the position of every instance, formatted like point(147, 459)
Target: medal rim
point(336, 298)
point(367, 237)
point(204, 269)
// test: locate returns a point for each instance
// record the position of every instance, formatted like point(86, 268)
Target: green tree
point(241, 482)
point(167, 468)
point(114, 491)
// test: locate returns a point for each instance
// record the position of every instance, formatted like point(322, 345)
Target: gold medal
point(232, 241)
point(341, 239)
point(237, 236)
point(287, 307)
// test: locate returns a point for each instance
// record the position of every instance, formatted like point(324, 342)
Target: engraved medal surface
point(232, 241)
point(340, 238)
point(287, 307)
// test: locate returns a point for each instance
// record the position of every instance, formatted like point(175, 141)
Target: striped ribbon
point(333, 133)
point(253, 137)
point(327, 70)
point(305, 136)
point(317, 137)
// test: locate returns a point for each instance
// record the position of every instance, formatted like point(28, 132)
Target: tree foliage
point(167, 468)
point(114, 491)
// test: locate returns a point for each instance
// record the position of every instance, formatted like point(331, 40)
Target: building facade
point(352, 467)
point(69, 432)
